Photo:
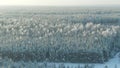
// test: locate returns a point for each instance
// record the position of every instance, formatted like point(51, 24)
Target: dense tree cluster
point(53, 36)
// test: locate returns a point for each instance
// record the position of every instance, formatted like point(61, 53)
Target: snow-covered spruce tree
point(61, 66)
point(79, 66)
point(115, 66)
point(59, 41)
point(68, 67)
point(86, 66)
point(106, 66)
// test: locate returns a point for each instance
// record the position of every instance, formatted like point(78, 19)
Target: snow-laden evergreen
point(36, 39)
point(112, 63)
point(60, 35)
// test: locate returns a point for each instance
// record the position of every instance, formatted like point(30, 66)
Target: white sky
point(60, 2)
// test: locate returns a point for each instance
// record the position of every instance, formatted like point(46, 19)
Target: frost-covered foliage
point(58, 35)
point(57, 39)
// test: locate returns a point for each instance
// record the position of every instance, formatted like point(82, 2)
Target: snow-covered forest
point(52, 34)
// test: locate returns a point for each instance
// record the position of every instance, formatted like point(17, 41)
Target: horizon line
point(66, 5)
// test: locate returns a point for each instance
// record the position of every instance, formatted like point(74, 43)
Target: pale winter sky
point(60, 2)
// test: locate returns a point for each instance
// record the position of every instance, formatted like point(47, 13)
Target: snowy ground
point(112, 63)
